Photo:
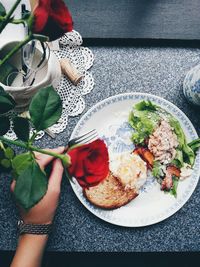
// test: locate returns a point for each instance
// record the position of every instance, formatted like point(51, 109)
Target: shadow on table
point(141, 259)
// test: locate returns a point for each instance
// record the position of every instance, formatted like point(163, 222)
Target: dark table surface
point(159, 71)
point(132, 19)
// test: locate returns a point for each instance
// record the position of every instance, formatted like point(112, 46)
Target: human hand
point(44, 211)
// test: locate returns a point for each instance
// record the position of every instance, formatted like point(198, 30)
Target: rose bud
point(52, 18)
point(89, 163)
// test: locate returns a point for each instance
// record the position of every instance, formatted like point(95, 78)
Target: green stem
point(15, 49)
point(17, 21)
point(12, 142)
point(50, 153)
point(9, 14)
point(33, 137)
point(64, 158)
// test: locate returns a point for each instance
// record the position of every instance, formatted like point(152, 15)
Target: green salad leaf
point(178, 130)
point(188, 153)
point(195, 145)
point(173, 190)
point(143, 119)
point(157, 170)
point(145, 105)
point(178, 160)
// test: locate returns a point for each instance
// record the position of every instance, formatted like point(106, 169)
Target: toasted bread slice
point(109, 194)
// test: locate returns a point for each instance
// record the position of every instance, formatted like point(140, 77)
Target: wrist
point(40, 239)
point(34, 229)
point(29, 250)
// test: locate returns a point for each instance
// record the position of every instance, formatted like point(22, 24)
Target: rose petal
point(52, 18)
point(89, 163)
point(41, 13)
point(61, 15)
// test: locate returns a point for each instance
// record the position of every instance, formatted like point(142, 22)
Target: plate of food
point(154, 161)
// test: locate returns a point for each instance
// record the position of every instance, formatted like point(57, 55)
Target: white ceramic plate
point(109, 117)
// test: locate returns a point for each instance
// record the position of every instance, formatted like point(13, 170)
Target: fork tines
point(85, 138)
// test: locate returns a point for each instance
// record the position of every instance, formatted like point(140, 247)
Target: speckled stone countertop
point(158, 71)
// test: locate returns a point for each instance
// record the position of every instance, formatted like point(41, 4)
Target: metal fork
point(84, 139)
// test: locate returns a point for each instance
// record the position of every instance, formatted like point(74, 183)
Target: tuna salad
point(160, 141)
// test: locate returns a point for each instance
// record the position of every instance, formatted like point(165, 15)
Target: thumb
point(56, 176)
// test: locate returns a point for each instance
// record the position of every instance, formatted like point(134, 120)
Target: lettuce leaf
point(188, 153)
point(143, 119)
point(178, 130)
point(178, 160)
point(146, 105)
point(157, 170)
point(173, 190)
point(195, 145)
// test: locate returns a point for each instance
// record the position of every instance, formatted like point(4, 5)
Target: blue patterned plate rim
point(194, 177)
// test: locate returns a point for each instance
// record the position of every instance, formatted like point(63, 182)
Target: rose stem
point(15, 49)
point(33, 148)
point(7, 17)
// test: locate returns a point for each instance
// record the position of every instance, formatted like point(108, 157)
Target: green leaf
point(188, 155)
point(7, 103)
point(5, 70)
point(21, 128)
point(173, 190)
point(9, 153)
point(195, 145)
point(2, 155)
point(157, 170)
point(2, 10)
point(31, 186)
point(178, 130)
point(145, 105)
point(5, 163)
point(45, 108)
point(21, 162)
point(194, 142)
point(178, 160)
point(4, 125)
point(143, 122)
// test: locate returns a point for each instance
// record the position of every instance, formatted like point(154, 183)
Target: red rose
point(52, 18)
point(89, 163)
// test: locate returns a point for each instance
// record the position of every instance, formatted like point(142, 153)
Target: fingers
point(56, 176)
point(12, 186)
point(43, 159)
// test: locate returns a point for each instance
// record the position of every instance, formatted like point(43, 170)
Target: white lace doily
point(72, 96)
